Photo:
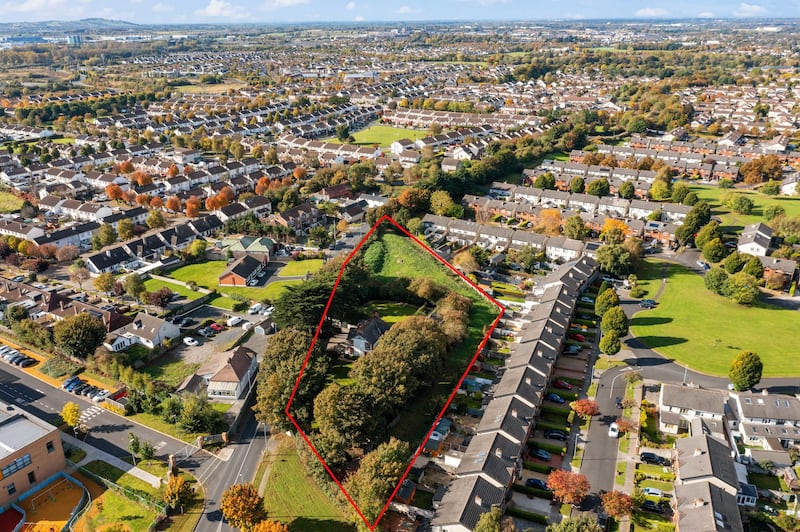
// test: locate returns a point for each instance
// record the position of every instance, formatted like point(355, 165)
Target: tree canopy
point(745, 370)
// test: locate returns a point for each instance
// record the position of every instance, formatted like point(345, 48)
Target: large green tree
point(608, 298)
point(575, 228)
point(715, 280)
point(745, 370)
point(376, 477)
point(79, 335)
point(610, 344)
point(615, 259)
point(277, 374)
point(345, 417)
point(615, 320)
point(742, 288)
point(709, 232)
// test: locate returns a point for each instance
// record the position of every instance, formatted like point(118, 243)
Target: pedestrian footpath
point(93, 453)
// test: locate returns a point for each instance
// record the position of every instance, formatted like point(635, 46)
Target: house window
point(12, 489)
point(31, 477)
point(50, 447)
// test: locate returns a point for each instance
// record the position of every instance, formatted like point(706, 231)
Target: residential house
point(112, 260)
point(466, 499)
point(146, 330)
point(242, 271)
point(755, 240)
point(231, 211)
point(769, 420)
point(362, 338)
point(679, 405)
point(300, 218)
point(234, 377)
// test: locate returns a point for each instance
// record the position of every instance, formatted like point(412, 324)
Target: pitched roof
point(235, 367)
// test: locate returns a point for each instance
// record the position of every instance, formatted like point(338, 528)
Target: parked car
point(190, 341)
point(653, 458)
point(646, 305)
point(650, 302)
point(609, 279)
point(577, 336)
point(234, 321)
point(653, 492)
point(651, 506)
point(555, 435)
point(69, 381)
point(18, 278)
point(613, 430)
point(618, 402)
point(79, 388)
point(216, 327)
point(572, 350)
point(562, 384)
point(100, 396)
point(255, 309)
point(254, 282)
point(586, 299)
point(205, 331)
point(28, 363)
point(536, 483)
point(74, 384)
point(541, 454)
point(555, 398)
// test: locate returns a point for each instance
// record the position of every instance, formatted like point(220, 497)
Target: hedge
point(539, 468)
point(557, 410)
point(588, 323)
point(544, 425)
point(536, 492)
point(528, 516)
point(569, 396)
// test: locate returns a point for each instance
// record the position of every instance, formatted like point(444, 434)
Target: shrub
point(544, 425)
point(529, 516)
point(539, 468)
point(536, 492)
point(59, 366)
point(638, 292)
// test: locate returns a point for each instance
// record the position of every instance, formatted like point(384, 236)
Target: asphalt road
point(109, 432)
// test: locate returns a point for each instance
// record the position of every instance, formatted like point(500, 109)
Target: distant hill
point(66, 26)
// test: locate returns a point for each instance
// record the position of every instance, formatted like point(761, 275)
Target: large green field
point(155, 284)
point(300, 267)
point(696, 327)
point(384, 135)
point(206, 274)
point(735, 222)
point(295, 499)
point(9, 202)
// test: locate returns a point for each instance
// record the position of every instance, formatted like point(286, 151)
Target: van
point(255, 309)
point(247, 325)
point(233, 321)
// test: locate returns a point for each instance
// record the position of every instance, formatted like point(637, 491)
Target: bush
point(539, 468)
point(638, 292)
point(58, 366)
point(544, 425)
point(529, 516)
point(536, 492)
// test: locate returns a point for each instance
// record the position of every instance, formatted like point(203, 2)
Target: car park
point(562, 384)
point(555, 398)
point(613, 430)
point(651, 506)
point(555, 435)
point(541, 454)
point(190, 341)
point(28, 363)
point(216, 327)
point(653, 458)
point(536, 483)
point(205, 331)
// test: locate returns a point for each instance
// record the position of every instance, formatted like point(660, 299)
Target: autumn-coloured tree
point(299, 173)
point(192, 207)
point(222, 200)
point(174, 203)
point(613, 231)
point(270, 526)
point(67, 253)
point(585, 408)
point(567, 487)
point(625, 424)
point(262, 185)
point(617, 504)
point(129, 195)
point(414, 199)
point(71, 414)
point(126, 167)
point(156, 203)
point(242, 506)
point(173, 171)
point(227, 193)
point(114, 192)
point(188, 169)
point(48, 251)
point(212, 203)
point(465, 261)
point(141, 178)
point(177, 492)
point(549, 222)
point(143, 200)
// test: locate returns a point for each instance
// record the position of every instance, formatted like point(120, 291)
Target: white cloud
point(651, 12)
point(162, 8)
point(749, 10)
point(406, 10)
point(359, 18)
point(705, 14)
point(222, 9)
point(32, 6)
point(280, 4)
point(350, 6)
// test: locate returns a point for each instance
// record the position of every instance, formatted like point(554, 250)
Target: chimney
point(514, 413)
point(478, 501)
point(764, 392)
point(498, 453)
point(539, 352)
point(61, 304)
point(108, 253)
point(698, 451)
point(528, 381)
point(549, 328)
point(698, 502)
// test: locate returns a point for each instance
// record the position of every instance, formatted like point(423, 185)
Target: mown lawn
point(170, 370)
point(259, 293)
point(155, 284)
point(300, 267)
point(696, 327)
point(294, 498)
point(111, 508)
point(384, 135)
point(9, 202)
point(735, 222)
point(392, 312)
point(206, 274)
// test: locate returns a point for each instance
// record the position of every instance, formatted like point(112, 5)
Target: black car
point(555, 435)
point(651, 506)
point(603, 521)
point(618, 400)
point(653, 458)
point(536, 483)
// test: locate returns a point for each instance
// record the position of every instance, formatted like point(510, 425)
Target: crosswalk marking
point(90, 412)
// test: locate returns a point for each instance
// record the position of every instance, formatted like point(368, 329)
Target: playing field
point(735, 222)
point(385, 135)
point(696, 327)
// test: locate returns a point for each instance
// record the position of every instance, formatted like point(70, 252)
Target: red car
point(578, 337)
point(562, 384)
point(216, 327)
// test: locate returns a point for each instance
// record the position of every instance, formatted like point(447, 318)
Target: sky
point(225, 11)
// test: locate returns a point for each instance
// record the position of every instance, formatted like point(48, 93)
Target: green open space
point(764, 481)
point(300, 267)
point(170, 370)
point(156, 284)
point(732, 221)
point(294, 498)
point(115, 509)
point(214, 88)
point(696, 327)
point(384, 135)
point(9, 202)
point(340, 373)
point(64, 140)
point(206, 274)
point(118, 476)
point(391, 312)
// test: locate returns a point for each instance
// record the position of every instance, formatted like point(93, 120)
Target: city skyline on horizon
point(316, 11)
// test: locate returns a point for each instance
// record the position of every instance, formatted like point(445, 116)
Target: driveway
point(531, 504)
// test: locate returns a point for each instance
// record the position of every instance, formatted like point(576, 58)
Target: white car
point(255, 309)
point(190, 341)
point(253, 282)
point(613, 430)
point(653, 492)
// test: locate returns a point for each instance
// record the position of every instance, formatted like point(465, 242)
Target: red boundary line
point(386, 218)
